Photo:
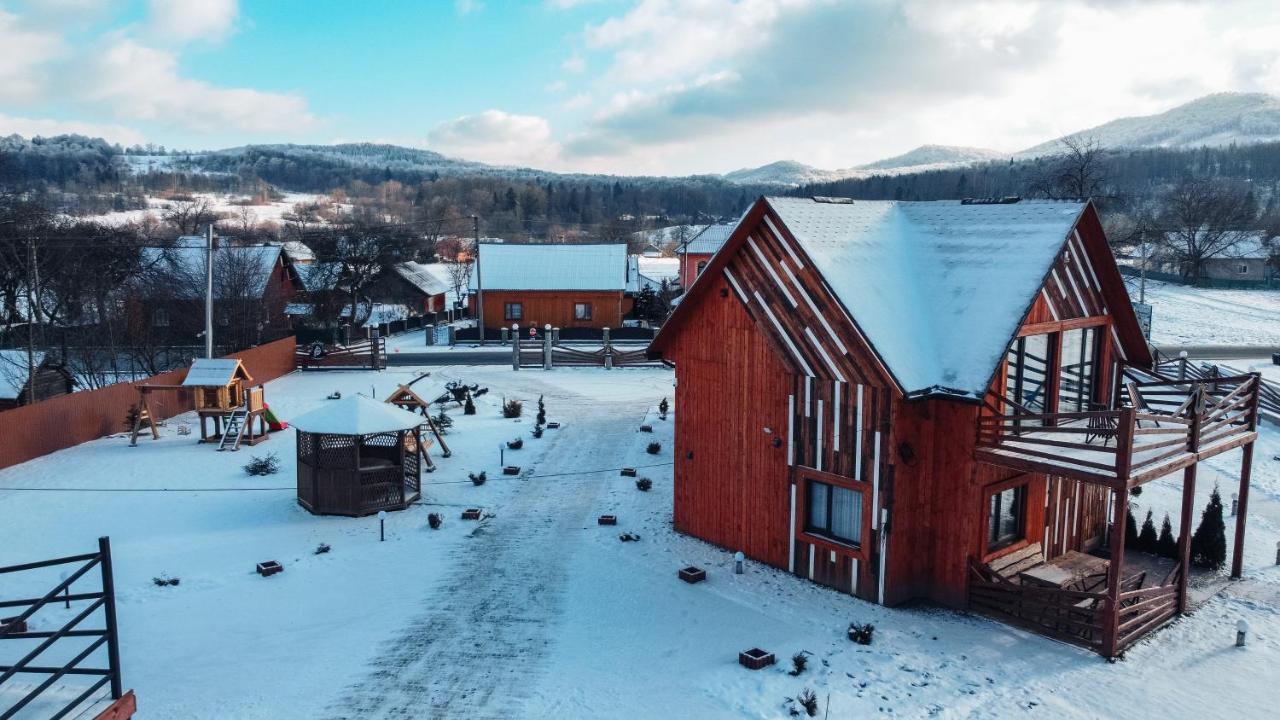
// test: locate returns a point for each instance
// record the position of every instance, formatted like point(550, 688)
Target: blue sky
point(623, 86)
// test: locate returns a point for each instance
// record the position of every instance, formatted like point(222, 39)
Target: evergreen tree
point(1131, 531)
point(542, 413)
point(1209, 543)
point(1147, 539)
point(1167, 546)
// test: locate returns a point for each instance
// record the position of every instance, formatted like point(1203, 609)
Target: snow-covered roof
point(554, 267)
point(709, 240)
point(356, 415)
point(662, 268)
point(14, 372)
point(238, 269)
point(938, 288)
point(212, 372)
point(430, 278)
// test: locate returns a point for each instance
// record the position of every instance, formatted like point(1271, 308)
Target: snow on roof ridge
point(356, 415)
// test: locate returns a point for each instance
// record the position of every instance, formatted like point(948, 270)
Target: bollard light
point(1242, 632)
point(1235, 503)
point(738, 560)
point(382, 525)
point(1278, 552)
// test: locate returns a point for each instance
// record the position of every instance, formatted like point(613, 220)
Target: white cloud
point(574, 64)
point(184, 20)
point(466, 7)
point(142, 83)
point(31, 127)
point(23, 60)
point(495, 136)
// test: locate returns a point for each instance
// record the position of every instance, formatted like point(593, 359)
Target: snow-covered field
point(272, 212)
point(539, 612)
point(1196, 316)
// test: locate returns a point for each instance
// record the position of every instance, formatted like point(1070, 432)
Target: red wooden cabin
point(943, 401)
point(559, 284)
point(696, 254)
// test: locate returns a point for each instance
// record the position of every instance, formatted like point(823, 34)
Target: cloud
point(185, 20)
point(45, 127)
point(495, 136)
point(138, 82)
point(24, 58)
point(574, 64)
point(466, 7)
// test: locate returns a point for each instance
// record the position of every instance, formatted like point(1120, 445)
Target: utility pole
point(33, 312)
point(208, 291)
point(1142, 283)
point(475, 226)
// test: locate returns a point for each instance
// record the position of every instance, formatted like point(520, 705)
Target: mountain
point(925, 157)
point(1213, 120)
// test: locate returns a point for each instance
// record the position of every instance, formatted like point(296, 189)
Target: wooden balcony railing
point(1162, 427)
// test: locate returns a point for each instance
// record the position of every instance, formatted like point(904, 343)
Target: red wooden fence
point(33, 430)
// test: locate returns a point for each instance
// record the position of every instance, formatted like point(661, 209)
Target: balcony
point(1162, 426)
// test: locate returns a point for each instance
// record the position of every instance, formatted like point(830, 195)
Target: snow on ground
point(1184, 315)
point(272, 212)
point(539, 612)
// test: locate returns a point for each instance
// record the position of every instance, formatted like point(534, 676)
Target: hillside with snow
point(921, 159)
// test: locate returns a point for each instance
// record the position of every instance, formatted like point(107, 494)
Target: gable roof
point(429, 278)
point(356, 415)
point(14, 372)
point(709, 240)
point(938, 289)
point(214, 372)
point(542, 266)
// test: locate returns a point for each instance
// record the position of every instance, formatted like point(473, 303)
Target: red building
point(942, 401)
point(696, 253)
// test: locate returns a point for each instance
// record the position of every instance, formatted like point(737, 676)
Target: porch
point(1108, 599)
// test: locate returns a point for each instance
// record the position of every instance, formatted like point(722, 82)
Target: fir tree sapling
point(1167, 546)
point(798, 663)
point(809, 701)
point(469, 407)
point(542, 413)
point(663, 407)
point(443, 421)
point(1131, 531)
point(512, 409)
point(1147, 539)
point(1209, 542)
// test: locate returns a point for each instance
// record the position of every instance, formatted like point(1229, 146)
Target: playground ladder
point(235, 429)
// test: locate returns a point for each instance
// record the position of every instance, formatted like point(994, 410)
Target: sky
point(621, 86)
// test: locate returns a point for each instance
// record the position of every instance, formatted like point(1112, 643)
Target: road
point(477, 648)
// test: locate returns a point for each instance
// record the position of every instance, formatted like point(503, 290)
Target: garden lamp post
point(382, 525)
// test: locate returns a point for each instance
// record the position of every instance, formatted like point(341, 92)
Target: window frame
point(993, 547)
point(818, 536)
point(507, 313)
point(579, 316)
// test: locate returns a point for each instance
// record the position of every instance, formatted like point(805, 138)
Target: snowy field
point(538, 612)
point(225, 205)
point(1183, 315)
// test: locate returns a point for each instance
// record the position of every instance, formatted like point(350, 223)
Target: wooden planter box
point(553, 426)
point(607, 520)
point(628, 472)
point(269, 568)
point(13, 625)
point(511, 470)
point(472, 514)
point(693, 574)
point(646, 428)
point(755, 659)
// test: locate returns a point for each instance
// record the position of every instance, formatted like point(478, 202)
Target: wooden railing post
point(1111, 623)
point(1246, 468)
point(109, 608)
point(1188, 499)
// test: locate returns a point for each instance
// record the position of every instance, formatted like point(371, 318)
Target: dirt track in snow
point(475, 651)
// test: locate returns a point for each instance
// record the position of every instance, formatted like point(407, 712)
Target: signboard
point(1143, 311)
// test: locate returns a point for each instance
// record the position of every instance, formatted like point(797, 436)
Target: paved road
point(478, 647)
point(452, 357)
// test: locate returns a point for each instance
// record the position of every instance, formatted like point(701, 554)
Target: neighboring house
point(834, 366)
point(566, 286)
point(1255, 258)
point(697, 252)
point(425, 288)
point(51, 379)
point(252, 285)
point(657, 269)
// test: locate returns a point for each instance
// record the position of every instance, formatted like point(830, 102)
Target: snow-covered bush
point(861, 633)
point(515, 444)
point(537, 431)
point(644, 484)
point(165, 581)
point(799, 662)
point(654, 448)
point(809, 701)
point(434, 520)
point(268, 464)
point(322, 548)
point(663, 407)
point(478, 479)
point(512, 408)
point(469, 407)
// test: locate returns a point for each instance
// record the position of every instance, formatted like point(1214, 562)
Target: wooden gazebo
point(357, 456)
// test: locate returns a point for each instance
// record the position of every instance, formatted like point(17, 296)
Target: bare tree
point(1077, 171)
point(189, 216)
point(1203, 218)
point(458, 255)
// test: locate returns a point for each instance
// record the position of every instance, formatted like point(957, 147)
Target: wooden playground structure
point(224, 398)
point(405, 398)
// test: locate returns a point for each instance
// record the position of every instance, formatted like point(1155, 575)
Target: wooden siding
point(732, 486)
point(556, 308)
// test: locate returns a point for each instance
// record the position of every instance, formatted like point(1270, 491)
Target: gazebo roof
point(356, 415)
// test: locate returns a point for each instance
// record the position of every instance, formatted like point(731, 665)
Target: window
point(513, 311)
point(835, 512)
point(702, 265)
point(582, 311)
point(160, 317)
point(1028, 372)
point(1242, 269)
point(1078, 361)
point(1006, 520)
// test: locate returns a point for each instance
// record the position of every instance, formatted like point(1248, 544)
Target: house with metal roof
point(940, 401)
point(697, 252)
point(562, 285)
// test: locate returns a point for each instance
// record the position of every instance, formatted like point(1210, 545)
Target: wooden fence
point(30, 431)
point(368, 354)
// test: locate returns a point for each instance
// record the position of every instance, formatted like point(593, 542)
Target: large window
point(1079, 368)
point(513, 311)
point(835, 512)
point(1027, 382)
point(1007, 516)
point(582, 311)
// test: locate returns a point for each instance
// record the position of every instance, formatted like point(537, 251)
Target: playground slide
point(274, 424)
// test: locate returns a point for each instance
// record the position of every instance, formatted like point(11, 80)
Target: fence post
point(430, 334)
point(504, 334)
point(546, 348)
point(1182, 366)
point(515, 346)
point(453, 336)
point(555, 335)
point(109, 608)
point(608, 351)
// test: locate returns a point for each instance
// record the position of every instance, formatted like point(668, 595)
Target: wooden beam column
point(1246, 467)
point(1188, 500)
point(1119, 520)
